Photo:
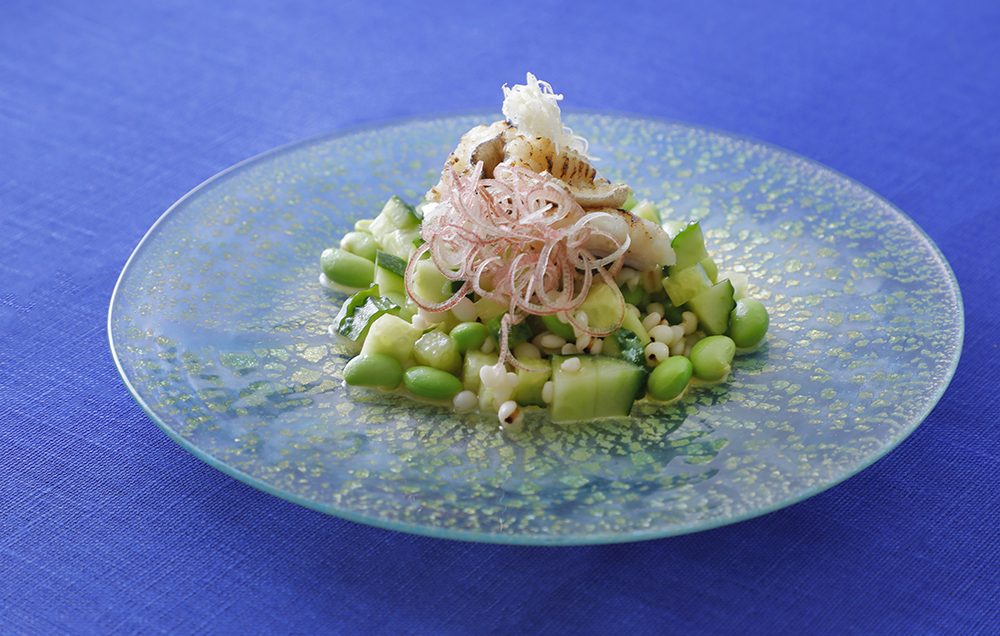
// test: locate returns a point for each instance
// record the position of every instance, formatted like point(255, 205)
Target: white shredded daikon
point(533, 107)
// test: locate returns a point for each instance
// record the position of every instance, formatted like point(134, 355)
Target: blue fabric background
point(109, 112)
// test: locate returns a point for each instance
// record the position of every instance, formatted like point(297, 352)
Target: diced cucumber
point(438, 350)
point(684, 284)
point(392, 336)
point(645, 209)
point(634, 324)
point(389, 283)
point(360, 311)
point(711, 269)
point(630, 202)
point(673, 227)
point(562, 329)
point(713, 306)
point(474, 361)
point(392, 263)
point(604, 307)
point(601, 387)
point(530, 382)
point(395, 215)
point(488, 309)
point(400, 243)
point(517, 334)
point(429, 284)
point(689, 244)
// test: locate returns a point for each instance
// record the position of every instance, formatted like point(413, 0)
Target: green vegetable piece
point(429, 284)
point(601, 387)
point(487, 309)
point(390, 283)
point(669, 379)
point(713, 307)
point(562, 329)
point(689, 245)
point(630, 202)
point(748, 323)
point(645, 209)
point(518, 333)
point(684, 284)
point(637, 295)
point(604, 307)
point(530, 382)
point(392, 336)
point(633, 323)
point(670, 312)
point(391, 263)
point(360, 244)
point(362, 225)
point(347, 269)
point(358, 313)
point(395, 215)
point(712, 358)
point(374, 370)
point(438, 350)
point(469, 336)
point(400, 243)
point(431, 383)
point(629, 347)
point(474, 361)
point(711, 269)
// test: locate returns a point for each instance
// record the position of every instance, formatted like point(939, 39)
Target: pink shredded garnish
point(518, 239)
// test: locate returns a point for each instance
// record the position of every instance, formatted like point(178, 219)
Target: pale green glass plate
point(219, 328)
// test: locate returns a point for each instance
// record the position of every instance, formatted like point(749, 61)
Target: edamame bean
point(469, 336)
point(438, 350)
point(558, 327)
point(748, 323)
point(360, 243)
point(431, 383)
point(374, 369)
point(669, 378)
point(347, 269)
point(712, 357)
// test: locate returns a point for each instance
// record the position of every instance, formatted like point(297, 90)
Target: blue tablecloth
point(110, 111)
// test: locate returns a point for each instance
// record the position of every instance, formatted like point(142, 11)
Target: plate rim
point(536, 539)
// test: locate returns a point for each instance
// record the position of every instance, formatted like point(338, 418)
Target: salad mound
point(526, 279)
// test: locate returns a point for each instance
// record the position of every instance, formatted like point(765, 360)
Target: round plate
point(219, 327)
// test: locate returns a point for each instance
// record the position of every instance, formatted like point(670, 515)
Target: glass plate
point(218, 326)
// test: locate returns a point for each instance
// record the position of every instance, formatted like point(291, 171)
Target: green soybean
point(374, 369)
point(347, 269)
point(438, 350)
point(431, 383)
point(669, 378)
point(359, 243)
point(712, 358)
point(469, 336)
point(558, 327)
point(748, 323)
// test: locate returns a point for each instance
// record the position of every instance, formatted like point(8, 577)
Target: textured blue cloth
point(108, 113)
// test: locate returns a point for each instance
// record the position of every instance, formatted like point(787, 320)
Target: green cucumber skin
point(389, 262)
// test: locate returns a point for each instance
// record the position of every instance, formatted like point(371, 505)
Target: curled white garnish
point(534, 108)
